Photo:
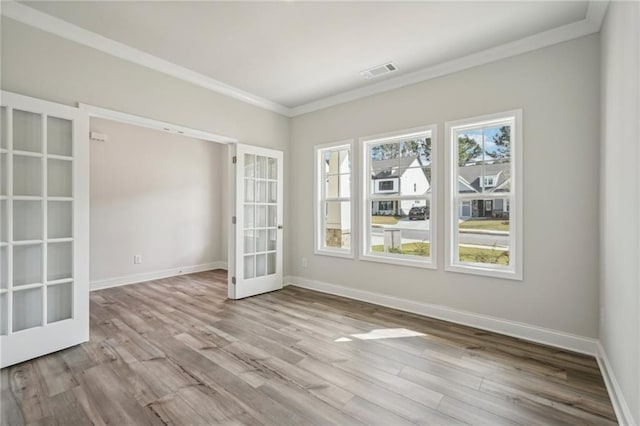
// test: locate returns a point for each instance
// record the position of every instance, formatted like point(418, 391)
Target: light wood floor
point(175, 351)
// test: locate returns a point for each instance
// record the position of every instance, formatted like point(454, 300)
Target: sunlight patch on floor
point(382, 333)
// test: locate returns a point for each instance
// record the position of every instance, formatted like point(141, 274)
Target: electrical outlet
point(304, 262)
point(137, 259)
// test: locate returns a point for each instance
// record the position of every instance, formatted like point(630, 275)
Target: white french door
point(256, 245)
point(44, 233)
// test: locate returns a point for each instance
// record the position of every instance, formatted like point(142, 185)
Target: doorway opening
point(159, 197)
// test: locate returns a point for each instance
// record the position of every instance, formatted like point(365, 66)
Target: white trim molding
point(155, 275)
point(532, 333)
point(591, 24)
point(45, 22)
point(620, 406)
point(149, 123)
point(596, 11)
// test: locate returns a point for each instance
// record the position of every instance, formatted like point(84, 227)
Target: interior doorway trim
point(123, 117)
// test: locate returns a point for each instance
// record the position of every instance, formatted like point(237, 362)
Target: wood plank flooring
point(176, 351)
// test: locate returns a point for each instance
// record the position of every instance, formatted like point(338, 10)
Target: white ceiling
point(297, 53)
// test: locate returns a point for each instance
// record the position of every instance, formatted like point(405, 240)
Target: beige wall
point(154, 194)
point(558, 90)
point(620, 199)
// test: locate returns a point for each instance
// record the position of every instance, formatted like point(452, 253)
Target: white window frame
point(320, 199)
point(515, 269)
point(367, 198)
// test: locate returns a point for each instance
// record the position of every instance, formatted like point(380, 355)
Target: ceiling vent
point(379, 70)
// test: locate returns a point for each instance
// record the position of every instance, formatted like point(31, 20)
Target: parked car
point(419, 213)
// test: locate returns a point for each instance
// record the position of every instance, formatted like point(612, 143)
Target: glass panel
point(27, 220)
point(261, 265)
point(401, 236)
point(273, 192)
point(484, 155)
point(60, 219)
point(261, 167)
point(3, 314)
point(27, 309)
point(4, 236)
point(483, 237)
point(272, 216)
point(27, 264)
point(337, 162)
point(249, 266)
point(3, 173)
point(249, 241)
point(249, 190)
point(27, 176)
point(261, 216)
point(272, 239)
point(27, 131)
point(59, 302)
point(271, 263)
point(3, 128)
point(59, 136)
point(261, 191)
point(59, 178)
point(59, 261)
point(338, 224)
point(273, 168)
point(338, 186)
point(261, 241)
point(249, 165)
point(249, 220)
point(4, 281)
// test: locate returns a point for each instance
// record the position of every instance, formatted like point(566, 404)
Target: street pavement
point(418, 230)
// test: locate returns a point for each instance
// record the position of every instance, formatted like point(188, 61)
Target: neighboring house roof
point(470, 176)
point(384, 169)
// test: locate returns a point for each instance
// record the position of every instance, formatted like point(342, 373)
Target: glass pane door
point(37, 220)
point(260, 215)
point(259, 230)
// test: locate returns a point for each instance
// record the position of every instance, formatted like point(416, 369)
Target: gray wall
point(154, 194)
point(620, 198)
point(558, 90)
point(38, 64)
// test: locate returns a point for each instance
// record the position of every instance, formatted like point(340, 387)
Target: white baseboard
point(520, 330)
point(615, 393)
point(155, 275)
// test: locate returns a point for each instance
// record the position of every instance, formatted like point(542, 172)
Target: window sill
point(485, 271)
point(345, 254)
point(398, 261)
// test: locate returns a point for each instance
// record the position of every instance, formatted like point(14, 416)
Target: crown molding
point(592, 23)
point(64, 29)
point(596, 11)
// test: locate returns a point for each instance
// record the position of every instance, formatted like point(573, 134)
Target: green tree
point(468, 149)
point(411, 148)
point(503, 145)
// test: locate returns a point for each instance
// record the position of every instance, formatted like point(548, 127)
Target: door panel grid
point(256, 246)
point(260, 215)
point(36, 215)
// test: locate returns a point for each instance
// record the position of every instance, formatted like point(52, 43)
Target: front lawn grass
point(384, 220)
point(483, 255)
point(467, 254)
point(415, 249)
point(488, 224)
